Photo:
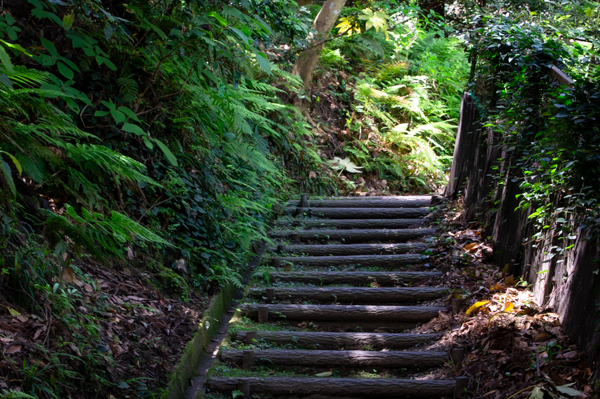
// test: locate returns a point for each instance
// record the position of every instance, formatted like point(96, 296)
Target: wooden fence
point(568, 283)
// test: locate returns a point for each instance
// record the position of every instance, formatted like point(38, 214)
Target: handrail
point(561, 76)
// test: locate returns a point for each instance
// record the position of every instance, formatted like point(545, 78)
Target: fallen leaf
point(37, 334)
point(542, 336)
point(312, 175)
point(21, 318)
point(476, 306)
point(471, 246)
point(569, 355)
point(567, 390)
point(13, 349)
point(68, 275)
point(510, 280)
point(13, 312)
point(537, 393)
point(88, 288)
point(508, 307)
point(325, 374)
point(497, 287)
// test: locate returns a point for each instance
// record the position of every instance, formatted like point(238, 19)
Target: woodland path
point(346, 283)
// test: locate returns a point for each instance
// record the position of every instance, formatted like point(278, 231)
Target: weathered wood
point(262, 314)
point(354, 235)
point(354, 249)
point(333, 340)
point(353, 313)
point(244, 387)
point(398, 202)
point(372, 388)
point(362, 260)
point(360, 213)
point(354, 278)
point(248, 359)
point(368, 198)
point(355, 294)
point(353, 223)
point(461, 385)
point(315, 358)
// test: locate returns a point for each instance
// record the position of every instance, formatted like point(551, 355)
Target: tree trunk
point(326, 18)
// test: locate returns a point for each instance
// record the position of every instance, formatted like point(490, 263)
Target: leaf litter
point(513, 348)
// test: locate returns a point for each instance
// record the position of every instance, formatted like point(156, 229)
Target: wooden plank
point(354, 278)
point(561, 76)
point(353, 223)
point(330, 387)
point(362, 260)
point(337, 340)
point(316, 358)
point(354, 313)
point(353, 249)
point(355, 294)
point(364, 235)
point(360, 213)
point(399, 202)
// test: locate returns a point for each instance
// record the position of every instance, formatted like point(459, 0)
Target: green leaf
point(48, 45)
point(5, 58)
point(9, 19)
point(15, 161)
point(135, 129)
point(8, 177)
point(68, 21)
point(65, 71)
point(101, 113)
point(567, 390)
point(103, 60)
point(129, 113)
point(263, 62)
point(219, 18)
point(148, 143)
point(118, 116)
point(168, 154)
point(241, 34)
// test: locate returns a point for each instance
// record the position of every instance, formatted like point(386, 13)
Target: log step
point(354, 249)
point(360, 213)
point(369, 198)
point(398, 202)
point(362, 260)
point(351, 294)
point(332, 387)
point(333, 340)
point(353, 223)
point(354, 278)
point(356, 314)
point(316, 358)
point(354, 235)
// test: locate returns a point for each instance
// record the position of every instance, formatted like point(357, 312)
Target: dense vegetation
point(160, 135)
point(550, 129)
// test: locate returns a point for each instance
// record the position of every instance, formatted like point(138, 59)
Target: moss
point(166, 280)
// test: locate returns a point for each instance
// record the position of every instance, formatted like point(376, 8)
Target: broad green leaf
point(65, 71)
point(241, 34)
point(8, 177)
point(219, 18)
point(5, 58)
point(168, 154)
point(68, 21)
point(48, 45)
point(129, 113)
point(148, 143)
point(537, 393)
point(118, 116)
point(263, 62)
point(135, 129)
point(15, 161)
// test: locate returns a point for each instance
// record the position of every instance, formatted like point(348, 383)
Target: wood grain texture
point(364, 235)
point(398, 202)
point(353, 223)
point(355, 294)
point(360, 213)
point(353, 249)
point(353, 387)
point(362, 260)
point(354, 313)
point(332, 358)
point(337, 340)
point(354, 278)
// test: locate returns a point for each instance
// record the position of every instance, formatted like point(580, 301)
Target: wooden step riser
point(320, 358)
point(351, 294)
point(419, 202)
point(336, 387)
point(353, 235)
point(354, 277)
point(361, 260)
point(354, 223)
point(348, 249)
point(326, 340)
point(345, 313)
point(360, 213)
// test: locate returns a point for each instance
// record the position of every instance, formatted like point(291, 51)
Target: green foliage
point(552, 128)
